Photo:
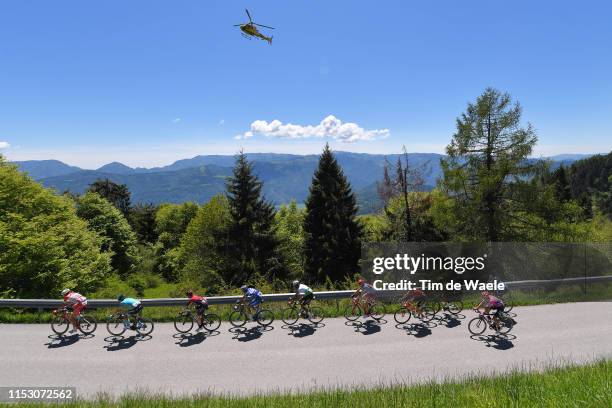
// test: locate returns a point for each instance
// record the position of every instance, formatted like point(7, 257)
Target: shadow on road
point(58, 341)
point(417, 330)
point(191, 339)
point(302, 329)
point(366, 327)
point(496, 341)
point(116, 343)
point(450, 320)
point(243, 334)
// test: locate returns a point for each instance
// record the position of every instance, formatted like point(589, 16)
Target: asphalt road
point(281, 359)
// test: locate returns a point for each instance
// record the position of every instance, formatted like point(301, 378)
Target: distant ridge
point(286, 177)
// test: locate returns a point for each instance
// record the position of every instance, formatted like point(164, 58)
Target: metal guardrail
point(41, 304)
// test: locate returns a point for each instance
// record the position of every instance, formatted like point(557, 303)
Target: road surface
point(281, 359)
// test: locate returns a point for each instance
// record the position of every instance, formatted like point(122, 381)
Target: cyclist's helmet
point(244, 288)
point(120, 298)
point(65, 292)
point(484, 293)
point(189, 293)
point(296, 283)
point(360, 281)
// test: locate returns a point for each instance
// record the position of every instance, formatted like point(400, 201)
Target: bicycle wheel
point(377, 311)
point(352, 313)
point(59, 325)
point(402, 316)
point(115, 326)
point(316, 314)
point(183, 323)
point(87, 324)
point(290, 315)
point(455, 307)
point(144, 326)
point(211, 322)
point(477, 325)
point(237, 318)
point(436, 307)
point(505, 325)
point(265, 317)
point(508, 306)
point(427, 313)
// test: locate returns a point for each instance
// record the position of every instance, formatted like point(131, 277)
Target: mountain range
point(285, 177)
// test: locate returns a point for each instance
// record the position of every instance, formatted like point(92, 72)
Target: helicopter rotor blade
point(238, 25)
point(249, 14)
point(261, 25)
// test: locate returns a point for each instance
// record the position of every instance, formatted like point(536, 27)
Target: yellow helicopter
point(249, 29)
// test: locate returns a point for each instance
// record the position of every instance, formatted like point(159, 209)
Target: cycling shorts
point(306, 299)
point(256, 301)
point(77, 309)
point(136, 310)
point(201, 308)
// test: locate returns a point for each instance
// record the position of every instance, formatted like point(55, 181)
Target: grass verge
point(575, 386)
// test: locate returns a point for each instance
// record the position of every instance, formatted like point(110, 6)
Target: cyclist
point(417, 296)
point(492, 305)
point(133, 306)
point(254, 298)
point(75, 302)
point(201, 304)
point(368, 295)
point(303, 294)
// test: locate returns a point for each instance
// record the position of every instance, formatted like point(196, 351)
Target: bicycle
point(239, 316)
point(60, 322)
point(453, 307)
point(116, 327)
point(291, 315)
point(184, 321)
point(479, 324)
point(355, 310)
point(409, 308)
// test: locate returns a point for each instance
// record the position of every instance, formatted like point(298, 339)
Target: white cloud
point(176, 120)
point(4, 145)
point(331, 127)
point(222, 122)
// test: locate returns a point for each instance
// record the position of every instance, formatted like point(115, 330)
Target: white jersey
point(304, 290)
point(368, 289)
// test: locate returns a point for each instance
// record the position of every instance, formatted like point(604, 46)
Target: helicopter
point(249, 29)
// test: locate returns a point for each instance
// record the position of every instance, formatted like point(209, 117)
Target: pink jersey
point(493, 301)
point(75, 298)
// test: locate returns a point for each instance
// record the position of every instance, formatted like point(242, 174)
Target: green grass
point(576, 386)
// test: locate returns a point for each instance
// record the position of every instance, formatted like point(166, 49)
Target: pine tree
point(332, 234)
point(252, 245)
point(486, 167)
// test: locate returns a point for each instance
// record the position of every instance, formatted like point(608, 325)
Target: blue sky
point(149, 82)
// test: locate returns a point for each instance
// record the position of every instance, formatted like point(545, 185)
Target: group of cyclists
point(365, 295)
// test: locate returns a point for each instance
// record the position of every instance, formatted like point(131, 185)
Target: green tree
point(171, 223)
point(117, 235)
point(485, 166)
point(44, 246)
point(142, 220)
point(290, 232)
point(332, 245)
point(253, 245)
point(203, 249)
point(118, 194)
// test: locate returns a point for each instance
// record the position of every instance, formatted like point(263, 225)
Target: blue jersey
point(130, 303)
point(254, 296)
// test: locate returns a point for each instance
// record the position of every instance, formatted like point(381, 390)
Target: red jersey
point(197, 300)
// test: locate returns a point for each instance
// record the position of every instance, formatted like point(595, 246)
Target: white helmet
point(65, 292)
point(296, 283)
